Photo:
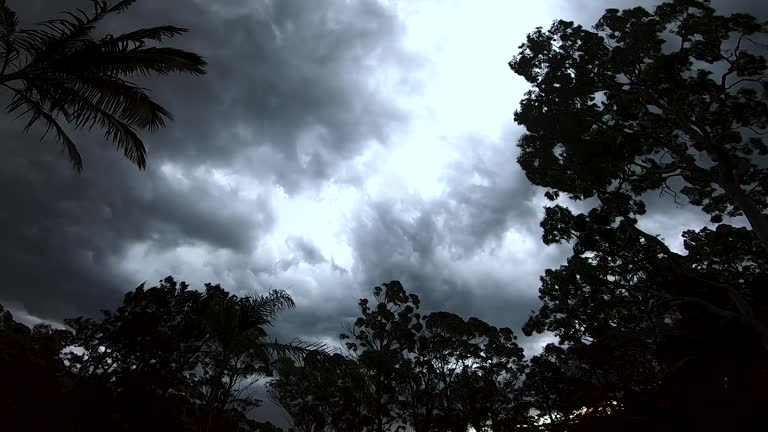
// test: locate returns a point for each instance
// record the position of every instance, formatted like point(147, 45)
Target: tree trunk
point(727, 167)
point(757, 219)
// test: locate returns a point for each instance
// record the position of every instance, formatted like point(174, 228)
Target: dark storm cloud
point(288, 97)
point(61, 230)
point(286, 100)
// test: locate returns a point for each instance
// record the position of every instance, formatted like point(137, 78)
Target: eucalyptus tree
point(672, 100)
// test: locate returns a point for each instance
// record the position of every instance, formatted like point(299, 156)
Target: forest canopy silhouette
point(671, 101)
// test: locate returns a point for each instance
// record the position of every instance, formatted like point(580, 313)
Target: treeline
point(437, 372)
point(174, 358)
point(169, 358)
point(669, 101)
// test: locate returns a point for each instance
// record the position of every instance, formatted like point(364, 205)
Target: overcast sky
point(334, 145)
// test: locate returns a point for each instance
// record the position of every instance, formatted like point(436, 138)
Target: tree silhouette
point(651, 339)
point(238, 350)
point(379, 339)
point(31, 373)
point(324, 392)
point(405, 371)
point(638, 105)
point(185, 359)
point(59, 71)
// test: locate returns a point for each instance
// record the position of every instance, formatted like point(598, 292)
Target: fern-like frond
point(22, 99)
point(119, 7)
point(156, 34)
point(265, 308)
point(9, 24)
point(120, 98)
point(64, 72)
point(83, 112)
point(120, 60)
point(53, 39)
point(9, 21)
point(87, 113)
point(296, 349)
point(59, 37)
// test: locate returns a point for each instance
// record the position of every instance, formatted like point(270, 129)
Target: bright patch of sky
point(465, 89)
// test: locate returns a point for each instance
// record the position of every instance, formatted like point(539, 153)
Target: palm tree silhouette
point(59, 70)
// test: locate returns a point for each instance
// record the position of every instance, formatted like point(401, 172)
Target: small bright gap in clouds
point(467, 87)
point(321, 218)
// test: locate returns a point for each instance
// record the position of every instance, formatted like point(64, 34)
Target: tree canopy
point(666, 100)
point(670, 100)
point(185, 359)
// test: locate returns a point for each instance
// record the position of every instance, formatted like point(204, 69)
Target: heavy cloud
point(287, 100)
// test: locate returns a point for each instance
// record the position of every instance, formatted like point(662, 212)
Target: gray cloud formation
point(286, 101)
point(288, 96)
point(448, 249)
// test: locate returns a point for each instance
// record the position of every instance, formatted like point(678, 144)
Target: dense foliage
point(169, 358)
point(665, 101)
point(673, 100)
point(437, 372)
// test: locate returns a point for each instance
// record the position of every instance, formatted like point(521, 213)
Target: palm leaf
point(119, 7)
point(139, 36)
point(9, 23)
point(121, 60)
point(87, 113)
point(58, 36)
point(68, 73)
point(120, 98)
point(296, 349)
point(53, 36)
point(37, 111)
point(83, 112)
point(265, 308)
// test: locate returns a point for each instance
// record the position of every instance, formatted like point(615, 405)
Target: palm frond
point(37, 111)
point(84, 112)
point(54, 39)
point(87, 113)
point(139, 36)
point(119, 7)
point(296, 349)
point(125, 61)
point(59, 37)
point(66, 72)
point(124, 100)
point(265, 308)
point(9, 21)
point(9, 24)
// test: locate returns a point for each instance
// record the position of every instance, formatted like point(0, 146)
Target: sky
point(334, 145)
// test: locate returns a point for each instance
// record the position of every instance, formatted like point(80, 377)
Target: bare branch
point(757, 80)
